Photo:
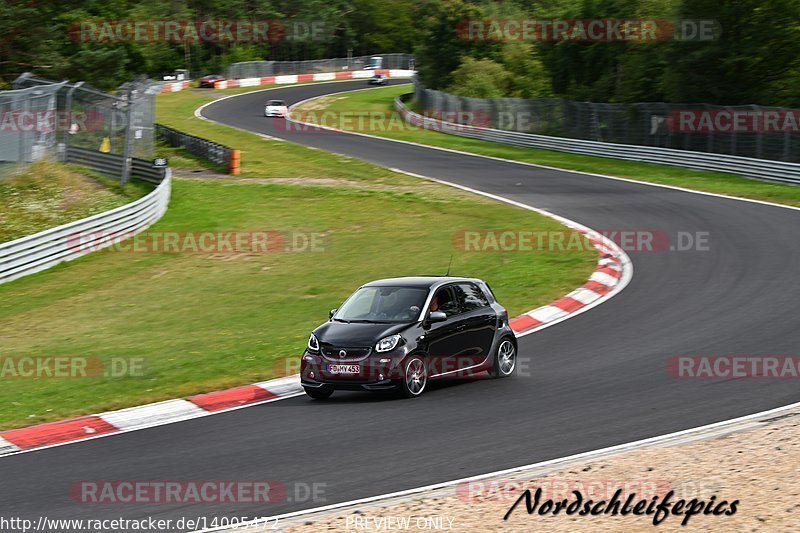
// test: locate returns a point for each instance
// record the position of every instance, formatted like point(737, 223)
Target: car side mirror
point(332, 312)
point(436, 316)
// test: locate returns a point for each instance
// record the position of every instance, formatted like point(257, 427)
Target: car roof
point(421, 282)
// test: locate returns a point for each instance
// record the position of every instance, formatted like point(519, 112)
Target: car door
point(478, 322)
point(444, 339)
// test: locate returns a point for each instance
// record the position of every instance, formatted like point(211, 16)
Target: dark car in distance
point(397, 334)
point(210, 80)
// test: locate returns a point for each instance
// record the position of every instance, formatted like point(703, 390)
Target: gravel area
point(758, 467)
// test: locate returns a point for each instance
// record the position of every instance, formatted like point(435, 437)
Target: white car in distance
point(276, 108)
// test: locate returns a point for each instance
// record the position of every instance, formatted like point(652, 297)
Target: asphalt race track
point(596, 380)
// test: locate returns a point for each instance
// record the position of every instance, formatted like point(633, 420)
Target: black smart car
point(396, 334)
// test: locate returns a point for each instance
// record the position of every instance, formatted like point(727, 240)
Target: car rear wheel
point(321, 393)
point(415, 378)
point(505, 360)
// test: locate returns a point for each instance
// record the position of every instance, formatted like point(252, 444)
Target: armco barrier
point(763, 169)
point(45, 249)
point(217, 153)
point(110, 165)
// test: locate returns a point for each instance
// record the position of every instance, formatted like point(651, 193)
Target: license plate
point(344, 369)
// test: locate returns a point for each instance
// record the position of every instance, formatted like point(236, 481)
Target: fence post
point(734, 135)
point(759, 135)
point(787, 141)
point(23, 135)
point(126, 156)
point(68, 113)
point(17, 83)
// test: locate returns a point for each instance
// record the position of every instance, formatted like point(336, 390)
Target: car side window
point(470, 297)
point(445, 301)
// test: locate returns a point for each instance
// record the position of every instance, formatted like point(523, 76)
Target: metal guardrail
point(45, 249)
point(214, 152)
point(753, 131)
point(110, 165)
point(763, 169)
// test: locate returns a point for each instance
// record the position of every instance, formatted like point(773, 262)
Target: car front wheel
point(415, 377)
point(505, 360)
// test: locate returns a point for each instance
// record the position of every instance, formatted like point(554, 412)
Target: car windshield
point(275, 102)
point(383, 304)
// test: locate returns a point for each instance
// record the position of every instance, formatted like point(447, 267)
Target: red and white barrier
point(320, 76)
point(174, 87)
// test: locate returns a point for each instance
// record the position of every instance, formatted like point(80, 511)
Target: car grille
point(353, 353)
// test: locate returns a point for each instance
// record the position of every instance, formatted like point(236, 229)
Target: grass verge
point(203, 322)
point(352, 112)
point(47, 194)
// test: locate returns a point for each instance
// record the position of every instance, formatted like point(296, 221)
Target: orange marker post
point(235, 161)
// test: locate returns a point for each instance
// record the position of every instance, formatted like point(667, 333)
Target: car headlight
point(313, 344)
point(388, 343)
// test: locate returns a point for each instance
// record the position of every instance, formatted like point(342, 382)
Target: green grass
point(206, 322)
point(48, 194)
point(360, 104)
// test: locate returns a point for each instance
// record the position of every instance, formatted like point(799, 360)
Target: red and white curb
point(320, 76)
point(145, 416)
point(609, 274)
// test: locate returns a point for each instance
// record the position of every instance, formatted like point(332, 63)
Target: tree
point(480, 78)
point(755, 59)
point(442, 46)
